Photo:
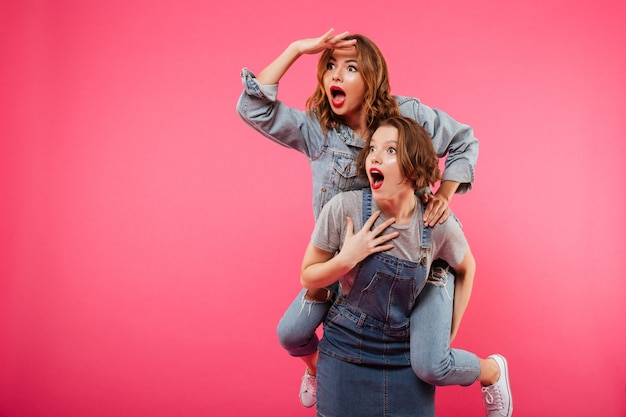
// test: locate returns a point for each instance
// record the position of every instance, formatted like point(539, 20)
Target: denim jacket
point(333, 155)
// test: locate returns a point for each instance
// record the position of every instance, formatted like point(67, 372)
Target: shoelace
point(493, 398)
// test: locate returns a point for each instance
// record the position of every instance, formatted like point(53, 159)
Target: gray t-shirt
point(447, 240)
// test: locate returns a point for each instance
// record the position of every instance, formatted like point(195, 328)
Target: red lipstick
point(376, 178)
point(338, 96)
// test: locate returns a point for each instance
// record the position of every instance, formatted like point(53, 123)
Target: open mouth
point(376, 178)
point(338, 96)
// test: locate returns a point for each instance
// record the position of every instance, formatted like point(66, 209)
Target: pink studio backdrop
point(150, 241)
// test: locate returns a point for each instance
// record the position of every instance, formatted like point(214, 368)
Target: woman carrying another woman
point(391, 322)
point(352, 95)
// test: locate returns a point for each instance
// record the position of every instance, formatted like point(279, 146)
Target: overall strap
point(425, 234)
point(366, 209)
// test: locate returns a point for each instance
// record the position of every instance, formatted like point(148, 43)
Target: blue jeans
point(432, 358)
point(296, 329)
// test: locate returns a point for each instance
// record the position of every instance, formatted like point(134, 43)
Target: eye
point(352, 68)
point(392, 151)
point(372, 149)
point(330, 66)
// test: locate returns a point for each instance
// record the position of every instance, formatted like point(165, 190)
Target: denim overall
point(364, 367)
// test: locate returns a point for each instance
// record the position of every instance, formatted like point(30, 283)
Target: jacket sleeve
point(453, 140)
point(259, 108)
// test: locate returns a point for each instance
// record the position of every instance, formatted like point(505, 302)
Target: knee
point(288, 336)
point(431, 372)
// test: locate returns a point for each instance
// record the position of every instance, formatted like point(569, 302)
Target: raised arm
point(259, 107)
point(275, 71)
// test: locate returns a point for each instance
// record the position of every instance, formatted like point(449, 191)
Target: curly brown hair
point(416, 155)
point(378, 102)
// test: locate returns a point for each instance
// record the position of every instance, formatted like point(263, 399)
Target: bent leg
point(432, 359)
point(296, 329)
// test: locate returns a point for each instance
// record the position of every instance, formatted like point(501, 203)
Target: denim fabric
point(351, 390)
point(332, 158)
point(370, 324)
point(332, 155)
point(432, 358)
point(296, 329)
point(364, 367)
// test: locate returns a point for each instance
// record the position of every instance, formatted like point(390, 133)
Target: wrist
point(343, 264)
point(447, 189)
point(294, 50)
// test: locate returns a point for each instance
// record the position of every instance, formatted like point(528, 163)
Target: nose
point(374, 158)
point(336, 74)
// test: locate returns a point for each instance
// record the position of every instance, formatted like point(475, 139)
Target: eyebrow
point(352, 60)
point(384, 141)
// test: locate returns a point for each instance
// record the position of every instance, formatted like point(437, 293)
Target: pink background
point(150, 241)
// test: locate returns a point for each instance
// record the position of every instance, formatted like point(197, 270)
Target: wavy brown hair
point(378, 102)
point(416, 155)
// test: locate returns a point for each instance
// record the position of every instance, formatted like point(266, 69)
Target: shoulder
point(413, 107)
point(404, 101)
point(346, 203)
point(451, 225)
point(346, 198)
point(449, 234)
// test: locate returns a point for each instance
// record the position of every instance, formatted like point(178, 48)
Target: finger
point(429, 201)
point(338, 41)
point(430, 216)
point(370, 222)
point(438, 215)
point(381, 227)
point(433, 212)
point(382, 248)
point(345, 45)
point(444, 216)
point(341, 41)
point(349, 226)
point(386, 238)
point(433, 218)
point(328, 34)
point(341, 35)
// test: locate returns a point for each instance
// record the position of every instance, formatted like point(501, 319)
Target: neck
point(400, 207)
point(358, 126)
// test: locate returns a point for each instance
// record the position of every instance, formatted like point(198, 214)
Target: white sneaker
point(308, 390)
point(497, 397)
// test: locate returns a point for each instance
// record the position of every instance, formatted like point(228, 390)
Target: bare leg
point(489, 372)
point(321, 294)
point(311, 363)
